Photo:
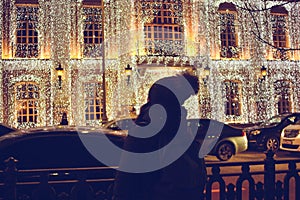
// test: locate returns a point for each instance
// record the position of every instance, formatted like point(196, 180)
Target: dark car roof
point(25, 134)
point(4, 129)
point(264, 125)
point(208, 121)
point(226, 130)
point(51, 130)
point(284, 115)
point(63, 139)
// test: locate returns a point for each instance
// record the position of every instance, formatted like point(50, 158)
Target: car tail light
point(244, 133)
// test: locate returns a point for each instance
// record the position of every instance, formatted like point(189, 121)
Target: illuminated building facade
point(69, 56)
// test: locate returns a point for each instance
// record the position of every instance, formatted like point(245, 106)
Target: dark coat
point(182, 179)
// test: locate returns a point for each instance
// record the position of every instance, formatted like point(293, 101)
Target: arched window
point(228, 32)
point(164, 31)
point(26, 99)
point(279, 17)
point(93, 98)
point(283, 96)
point(92, 28)
point(233, 97)
point(26, 29)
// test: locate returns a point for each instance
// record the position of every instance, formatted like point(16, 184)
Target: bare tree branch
point(263, 9)
point(248, 7)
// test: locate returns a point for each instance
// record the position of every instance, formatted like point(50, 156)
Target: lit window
point(232, 92)
point(164, 32)
point(227, 13)
point(93, 101)
point(27, 96)
point(279, 31)
point(92, 32)
point(26, 32)
point(283, 95)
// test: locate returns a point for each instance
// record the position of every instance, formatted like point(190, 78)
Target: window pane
point(92, 31)
point(26, 33)
point(160, 36)
point(233, 104)
point(283, 94)
point(27, 95)
point(93, 98)
point(227, 36)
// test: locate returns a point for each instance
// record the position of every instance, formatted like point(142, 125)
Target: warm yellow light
point(128, 70)
point(263, 71)
point(60, 70)
point(206, 71)
point(59, 73)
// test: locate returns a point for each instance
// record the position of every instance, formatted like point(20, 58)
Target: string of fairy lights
point(60, 35)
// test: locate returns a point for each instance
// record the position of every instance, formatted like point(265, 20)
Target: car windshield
point(272, 120)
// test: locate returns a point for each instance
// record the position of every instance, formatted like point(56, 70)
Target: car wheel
point(272, 143)
point(225, 151)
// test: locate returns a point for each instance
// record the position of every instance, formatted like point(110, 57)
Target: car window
point(298, 122)
point(50, 152)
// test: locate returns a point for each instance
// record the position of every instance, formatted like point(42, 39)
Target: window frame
point(284, 96)
point(164, 30)
point(279, 32)
point(28, 36)
point(93, 46)
point(233, 98)
point(27, 108)
point(230, 37)
point(94, 111)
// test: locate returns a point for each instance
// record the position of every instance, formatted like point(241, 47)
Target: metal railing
point(269, 188)
point(96, 183)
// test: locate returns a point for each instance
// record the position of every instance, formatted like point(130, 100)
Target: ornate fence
point(96, 183)
point(269, 188)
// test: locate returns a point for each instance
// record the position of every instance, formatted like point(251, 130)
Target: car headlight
point(255, 132)
point(282, 133)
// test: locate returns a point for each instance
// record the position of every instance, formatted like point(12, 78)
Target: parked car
point(290, 138)
point(267, 134)
point(59, 153)
point(55, 147)
point(224, 144)
point(220, 139)
point(4, 129)
point(119, 124)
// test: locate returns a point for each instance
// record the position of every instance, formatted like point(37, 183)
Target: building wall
point(60, 39)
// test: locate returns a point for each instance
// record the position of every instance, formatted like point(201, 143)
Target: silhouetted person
point(186, 176)
point(64, 119)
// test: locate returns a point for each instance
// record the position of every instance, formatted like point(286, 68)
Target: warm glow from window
point(27, 96)
point(26, 32)
point(93, 98)
point(279, 31)
point(92, 32)
point(164, 33)
point(283, 95)
point(233, 96)
point(228, 32)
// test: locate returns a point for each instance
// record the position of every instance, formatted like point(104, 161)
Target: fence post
point(269, 176)
point(10, 179)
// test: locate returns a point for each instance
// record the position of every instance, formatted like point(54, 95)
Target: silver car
point(290, 138)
